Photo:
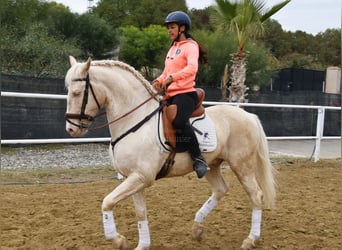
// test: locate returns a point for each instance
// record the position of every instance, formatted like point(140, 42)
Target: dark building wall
point(25, 118)
point(13, 83)
point(297, 122)
point(31, 118)
point(287, 121)
point(292, 79)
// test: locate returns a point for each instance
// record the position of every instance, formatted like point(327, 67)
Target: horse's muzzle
point(80, 117)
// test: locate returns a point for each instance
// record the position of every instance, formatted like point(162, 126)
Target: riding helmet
point(179, 17)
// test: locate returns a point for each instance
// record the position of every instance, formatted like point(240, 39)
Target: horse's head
point(82, 102)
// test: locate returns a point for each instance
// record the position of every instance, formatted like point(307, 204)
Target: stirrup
point(200, 166)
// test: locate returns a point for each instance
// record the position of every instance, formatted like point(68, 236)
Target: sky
point(310, 16)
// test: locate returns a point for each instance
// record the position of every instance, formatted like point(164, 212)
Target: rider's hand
point(156, 85)
point(167, 82)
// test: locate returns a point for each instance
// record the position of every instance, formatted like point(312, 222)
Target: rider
point(178, 80)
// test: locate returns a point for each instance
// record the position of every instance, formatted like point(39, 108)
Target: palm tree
point(245, 18)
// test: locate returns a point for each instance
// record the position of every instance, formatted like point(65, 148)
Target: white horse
point(131, 102)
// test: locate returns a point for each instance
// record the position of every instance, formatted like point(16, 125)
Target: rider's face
point(173, 30)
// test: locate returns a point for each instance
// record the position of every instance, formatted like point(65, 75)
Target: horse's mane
point(125, 66)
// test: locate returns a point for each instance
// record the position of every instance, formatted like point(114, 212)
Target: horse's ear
point(87, 64)
point(72, 60)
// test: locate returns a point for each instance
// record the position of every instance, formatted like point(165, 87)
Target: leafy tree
point(35, 54)
point(329, 47)
point(28, 45)
point(144, 48)
point(301, 61)
point(139, 13)
point(219, 48)
point(95, 36)
point(276, 39)
point(201, 19)
point(113, 11)
point(147, 12)
point(37, 36)
point(259, 66)
point(245, 19)
point(60, 21)
point(19, 13)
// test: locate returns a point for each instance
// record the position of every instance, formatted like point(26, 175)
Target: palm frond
point(226, 8)
point(245, 17)
point(274, 10)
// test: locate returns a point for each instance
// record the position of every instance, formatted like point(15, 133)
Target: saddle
point(169, 114)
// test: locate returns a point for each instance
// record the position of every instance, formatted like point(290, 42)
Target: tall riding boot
point(200, 166)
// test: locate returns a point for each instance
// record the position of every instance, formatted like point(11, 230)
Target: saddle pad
point(204, 130)
point(207, 139)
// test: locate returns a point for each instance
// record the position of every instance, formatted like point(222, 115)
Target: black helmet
point(179, 17)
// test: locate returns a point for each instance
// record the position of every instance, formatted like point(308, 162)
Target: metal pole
point(319, 132)
point(341, 78)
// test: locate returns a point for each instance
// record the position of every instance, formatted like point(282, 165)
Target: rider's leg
point(185, 134)
point(200, 165)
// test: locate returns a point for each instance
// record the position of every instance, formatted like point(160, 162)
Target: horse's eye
point(76, 93)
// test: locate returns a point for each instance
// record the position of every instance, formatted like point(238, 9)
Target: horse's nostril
point(70, 130)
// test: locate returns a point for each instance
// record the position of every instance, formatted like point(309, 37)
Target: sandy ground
point(308, 213)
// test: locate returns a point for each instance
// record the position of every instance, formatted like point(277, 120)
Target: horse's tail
point(265, 170)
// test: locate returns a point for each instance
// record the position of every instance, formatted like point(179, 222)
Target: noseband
point(83, 116)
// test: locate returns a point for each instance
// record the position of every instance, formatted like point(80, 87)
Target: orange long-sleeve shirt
point(182, 64)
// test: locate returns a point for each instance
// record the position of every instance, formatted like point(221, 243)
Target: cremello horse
point(130, 100)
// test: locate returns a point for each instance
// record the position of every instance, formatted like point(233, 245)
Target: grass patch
point(10, 149)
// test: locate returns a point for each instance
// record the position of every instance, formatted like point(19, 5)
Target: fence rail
point(319, 128)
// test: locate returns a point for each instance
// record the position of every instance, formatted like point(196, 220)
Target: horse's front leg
point(141, 212)
point(128, 187)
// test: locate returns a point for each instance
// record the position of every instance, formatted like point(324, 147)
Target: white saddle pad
point(204, 130)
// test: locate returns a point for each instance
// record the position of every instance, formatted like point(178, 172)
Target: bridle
point(83, 116)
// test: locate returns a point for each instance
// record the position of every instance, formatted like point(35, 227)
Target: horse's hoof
point(139, 248)
point(121, 242)
point(248, 244)
point(197, 230)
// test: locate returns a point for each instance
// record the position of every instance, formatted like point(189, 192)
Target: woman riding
point(178, 81)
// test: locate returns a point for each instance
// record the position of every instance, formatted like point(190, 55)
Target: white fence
point(318, 137)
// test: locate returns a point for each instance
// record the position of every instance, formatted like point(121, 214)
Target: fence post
point(319, 132)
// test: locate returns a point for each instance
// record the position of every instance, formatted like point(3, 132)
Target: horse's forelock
point(68, 77)
point(76, 71)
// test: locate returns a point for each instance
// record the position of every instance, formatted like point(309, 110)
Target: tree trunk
point(238, 88)
point(225, 79)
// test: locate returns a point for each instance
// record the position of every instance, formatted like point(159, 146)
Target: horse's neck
point(132, 115)
point(124, 93)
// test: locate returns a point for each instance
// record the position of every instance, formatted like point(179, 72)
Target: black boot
point(200, 166)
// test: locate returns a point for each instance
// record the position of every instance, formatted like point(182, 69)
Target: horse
point(132, 106)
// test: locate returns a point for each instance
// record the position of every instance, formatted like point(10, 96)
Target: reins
point(83, 116)
point(124, 115)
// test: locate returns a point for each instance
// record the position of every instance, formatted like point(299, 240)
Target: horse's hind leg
point(219, 188)
point(246, 175)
